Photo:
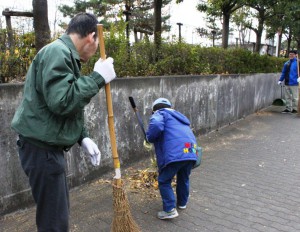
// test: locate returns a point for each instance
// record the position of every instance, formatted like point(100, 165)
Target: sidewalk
point(249, 180)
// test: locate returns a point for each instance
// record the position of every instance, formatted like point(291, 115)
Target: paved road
point(248, 181)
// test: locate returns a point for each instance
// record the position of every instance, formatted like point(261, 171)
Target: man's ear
point(91, 37)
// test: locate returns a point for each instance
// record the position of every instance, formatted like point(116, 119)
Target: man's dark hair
point(293, 51)
point(160, 106)
point(83, 24)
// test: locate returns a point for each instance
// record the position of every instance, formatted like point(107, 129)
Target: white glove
point(298, 79)
point(106, 69)
point(279, 82)
point(92, 149)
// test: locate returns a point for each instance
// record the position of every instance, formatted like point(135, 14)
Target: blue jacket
point(290, 72)
point(172, 136)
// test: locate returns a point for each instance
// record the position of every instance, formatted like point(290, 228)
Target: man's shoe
point(181, 206)
point(285, 111)
point(294, 112)
point(167, 215)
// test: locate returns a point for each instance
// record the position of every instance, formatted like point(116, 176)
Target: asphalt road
point(248, 181)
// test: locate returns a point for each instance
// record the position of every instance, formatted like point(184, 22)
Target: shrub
point(176, 58)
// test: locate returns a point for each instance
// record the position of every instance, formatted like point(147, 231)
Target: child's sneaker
point(167, 215)
point(181, 206)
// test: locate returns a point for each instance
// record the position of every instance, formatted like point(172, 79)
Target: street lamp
point(213, 34)
point(179, 25)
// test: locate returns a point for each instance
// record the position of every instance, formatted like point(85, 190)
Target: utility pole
point(179, 25)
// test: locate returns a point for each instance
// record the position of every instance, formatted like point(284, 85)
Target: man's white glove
point(92, 149)
point(298, 79)
point(279, 82)
point(106, 69)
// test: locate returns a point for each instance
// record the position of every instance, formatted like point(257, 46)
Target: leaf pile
point(144, 181)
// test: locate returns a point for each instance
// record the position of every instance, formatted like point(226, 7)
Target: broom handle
point(297, 65)
point(109, 108)
point(298, 109)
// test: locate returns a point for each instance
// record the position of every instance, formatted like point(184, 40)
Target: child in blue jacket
point(175, 147)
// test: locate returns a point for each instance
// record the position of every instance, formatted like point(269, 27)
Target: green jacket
point(55, 93)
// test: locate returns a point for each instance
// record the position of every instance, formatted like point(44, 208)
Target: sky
point(184, 13)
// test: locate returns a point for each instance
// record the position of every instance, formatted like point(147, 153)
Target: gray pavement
point(248, 181)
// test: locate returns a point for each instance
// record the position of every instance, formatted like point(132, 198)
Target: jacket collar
point(69, 43)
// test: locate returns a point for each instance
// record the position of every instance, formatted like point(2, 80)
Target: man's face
point(292, 55)
point(89, 49)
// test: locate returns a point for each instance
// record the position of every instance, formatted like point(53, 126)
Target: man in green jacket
point(50, 118)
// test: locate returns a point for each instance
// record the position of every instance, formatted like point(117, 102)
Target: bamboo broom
point(122, 220)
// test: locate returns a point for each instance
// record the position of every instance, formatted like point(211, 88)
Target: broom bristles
point(122, 220)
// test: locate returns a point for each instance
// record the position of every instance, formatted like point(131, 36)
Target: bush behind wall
point(138, 59)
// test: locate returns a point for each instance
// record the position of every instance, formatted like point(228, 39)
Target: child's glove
point(92, 149)
point(298, 79)
point(147, 146)
point(279, 82)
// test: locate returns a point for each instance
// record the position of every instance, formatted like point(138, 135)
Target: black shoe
point(285, 111)
point(294, 112)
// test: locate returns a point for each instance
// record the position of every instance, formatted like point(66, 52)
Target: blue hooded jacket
point(172, 136)
point(290, 72)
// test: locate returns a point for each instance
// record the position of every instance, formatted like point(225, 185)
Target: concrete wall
point(210, 102)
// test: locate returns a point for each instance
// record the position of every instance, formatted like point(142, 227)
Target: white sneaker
point(181, 206)
point(167, 215)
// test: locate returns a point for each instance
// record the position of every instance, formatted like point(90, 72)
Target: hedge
point(175, 59)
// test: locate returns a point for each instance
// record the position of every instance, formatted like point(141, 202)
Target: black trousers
point(47, 178)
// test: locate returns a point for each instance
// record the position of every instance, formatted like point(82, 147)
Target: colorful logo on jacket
point(190, 148)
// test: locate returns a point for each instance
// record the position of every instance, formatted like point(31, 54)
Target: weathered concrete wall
point(210, 102)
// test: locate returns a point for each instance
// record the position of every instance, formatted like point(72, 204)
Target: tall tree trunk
point(157, 27)
point(260, 29)
point(279, 43)
point(289, 41)
point(136, 40)
point(258, 42)
point(225, 32)
point(40, 23)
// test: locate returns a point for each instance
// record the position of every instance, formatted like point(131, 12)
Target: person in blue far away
point(290, 77)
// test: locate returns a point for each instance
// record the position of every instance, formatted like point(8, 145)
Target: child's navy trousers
point(183, 170)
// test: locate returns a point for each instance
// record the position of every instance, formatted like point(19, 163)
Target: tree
point(157, 26)
point(279, 24)
point(223, 9)
point(100, 8)
point(40, 23)
point(142, 18)
point(241, 18)
point(158, 4)
point(265, 9)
